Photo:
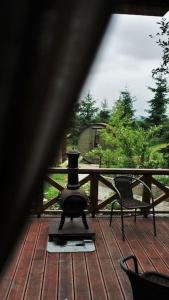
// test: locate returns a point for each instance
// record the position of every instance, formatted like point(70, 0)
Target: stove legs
point(62, 221)
point(84, 220)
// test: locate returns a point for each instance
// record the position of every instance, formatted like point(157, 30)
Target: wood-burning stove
point(73, 200)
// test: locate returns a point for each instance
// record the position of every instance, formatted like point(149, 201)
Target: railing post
point(94, 193)
point(146, 195)
point(39, 207)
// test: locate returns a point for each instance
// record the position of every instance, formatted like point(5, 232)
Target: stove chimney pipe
point(73, 179)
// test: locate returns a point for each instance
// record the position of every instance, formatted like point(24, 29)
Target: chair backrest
point(124, 185)
point(142, 287)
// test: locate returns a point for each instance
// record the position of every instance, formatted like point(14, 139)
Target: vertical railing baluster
point(94, 188)
point(146, 195)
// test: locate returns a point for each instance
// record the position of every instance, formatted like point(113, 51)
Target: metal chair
point(147, 285)
point(124, 192)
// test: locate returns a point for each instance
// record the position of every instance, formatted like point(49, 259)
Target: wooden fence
point(104, 176)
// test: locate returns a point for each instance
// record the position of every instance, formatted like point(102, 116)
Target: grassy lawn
point(51, 192)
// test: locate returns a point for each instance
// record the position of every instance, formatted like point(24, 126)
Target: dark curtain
point(45, 53)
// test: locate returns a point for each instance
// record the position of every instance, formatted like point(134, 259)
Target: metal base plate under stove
point(72, 230)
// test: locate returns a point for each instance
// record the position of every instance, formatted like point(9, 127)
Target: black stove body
point(73, 201)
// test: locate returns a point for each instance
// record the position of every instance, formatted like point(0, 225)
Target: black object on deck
point(73, 200)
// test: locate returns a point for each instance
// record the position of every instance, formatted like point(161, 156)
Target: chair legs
point(111, 213)
point(122, 224)
point(154, 222)
point(122, 220)
point(135, 214)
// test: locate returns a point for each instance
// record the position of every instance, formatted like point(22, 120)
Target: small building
point(90, 137)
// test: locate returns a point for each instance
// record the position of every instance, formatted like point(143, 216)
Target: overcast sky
point(125, 60)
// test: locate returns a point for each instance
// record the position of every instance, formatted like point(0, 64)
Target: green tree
point(125, 105)
point(104, 157)
point(103, 114)
point(74, 127)
point(83, 115)
point(158, 104)
point(87, 110)
point(162, 39)
point(131, 146)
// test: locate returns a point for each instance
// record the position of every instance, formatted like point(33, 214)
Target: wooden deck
point(35, 274)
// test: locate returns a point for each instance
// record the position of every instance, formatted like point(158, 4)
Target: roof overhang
point(137, 7)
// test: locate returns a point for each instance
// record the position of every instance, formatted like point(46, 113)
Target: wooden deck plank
point(50, 286)
point(81, 282)
point(97, 287)
point(138, 250)
point(157, 244)
point(8, 273)
point(51, 272)
point(147, 245)
point(20, 279)
point(65, 288)
point(34, 285)
point(35, 274)
point(116, 254)
point(109, 273)
point(123, 246)
point(163, 231)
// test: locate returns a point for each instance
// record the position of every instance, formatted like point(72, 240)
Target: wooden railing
point(101, 175)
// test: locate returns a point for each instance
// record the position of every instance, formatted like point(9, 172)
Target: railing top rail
point(137, 171)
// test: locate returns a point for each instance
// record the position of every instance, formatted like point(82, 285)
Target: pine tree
point(83, 115)
point(87, 110)
point(104, 112)
point(158, 104)
point(125, 103)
